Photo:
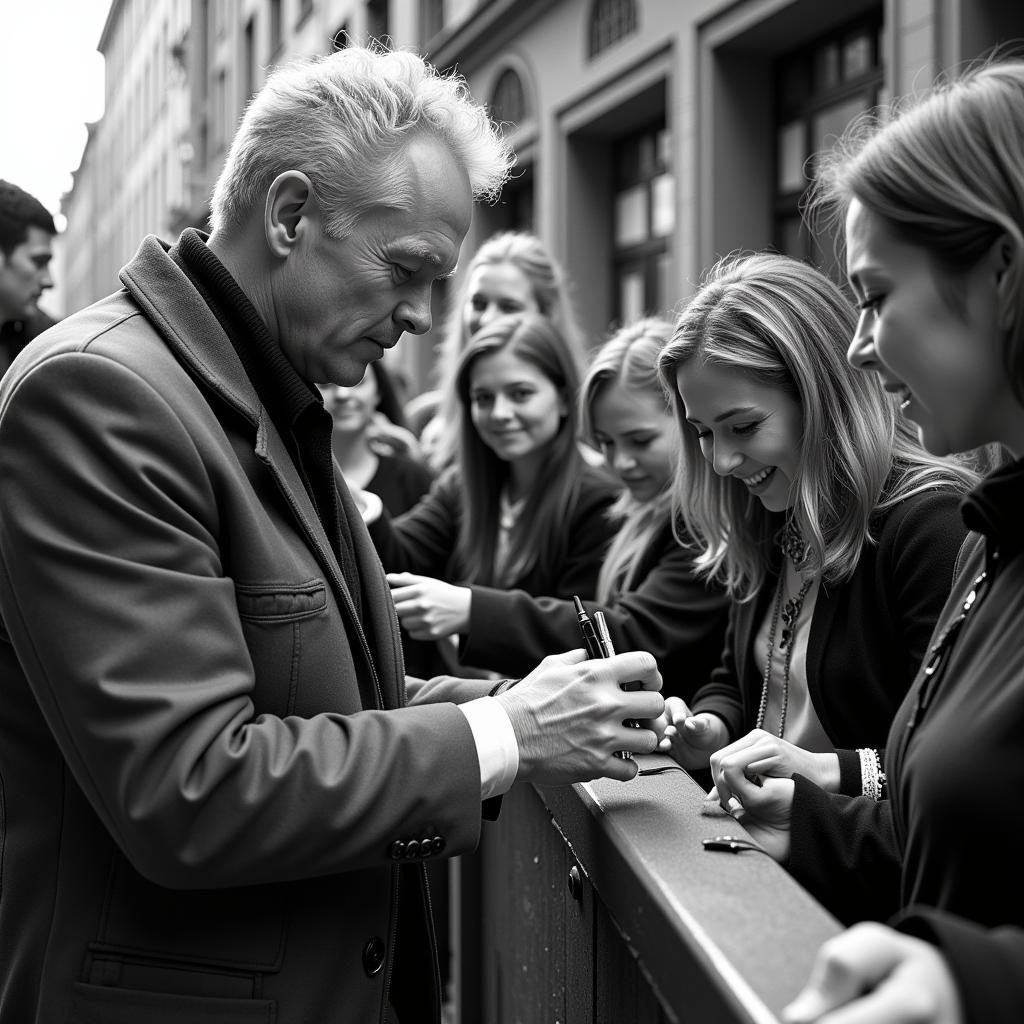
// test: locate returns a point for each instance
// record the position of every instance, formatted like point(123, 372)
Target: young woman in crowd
point(933, 201)
point(833, 531)
point(647, 589)
point(520, 509)
point(370, 458)
point(511, 273)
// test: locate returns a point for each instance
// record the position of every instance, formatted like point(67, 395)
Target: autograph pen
point(605, 640)
point(590, 638)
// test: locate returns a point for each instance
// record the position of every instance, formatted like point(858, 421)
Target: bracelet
point(501, 686)
point(873, 780)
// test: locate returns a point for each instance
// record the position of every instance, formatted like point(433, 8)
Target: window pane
point(631, 216)
point(663, 207)
point(856, 55)
point(791, 157)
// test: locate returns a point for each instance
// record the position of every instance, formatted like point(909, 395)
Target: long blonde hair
point(628, 358)
point(784, 324)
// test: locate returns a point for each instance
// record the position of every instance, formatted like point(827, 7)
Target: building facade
point(652, 136)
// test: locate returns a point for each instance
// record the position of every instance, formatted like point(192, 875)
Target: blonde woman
point(832, 529)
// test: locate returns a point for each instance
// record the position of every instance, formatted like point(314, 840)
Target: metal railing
point(598, 903)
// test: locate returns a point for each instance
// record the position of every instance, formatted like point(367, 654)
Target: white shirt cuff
point(496, 745)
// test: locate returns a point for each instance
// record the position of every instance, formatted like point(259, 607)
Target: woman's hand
point(689, 738)
point(760, 753)
point(871, 974)
point(429, 609)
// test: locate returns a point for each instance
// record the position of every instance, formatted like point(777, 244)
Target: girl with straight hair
point(832, 530)
point(520, 508)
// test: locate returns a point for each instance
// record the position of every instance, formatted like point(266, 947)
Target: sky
point(51, 85)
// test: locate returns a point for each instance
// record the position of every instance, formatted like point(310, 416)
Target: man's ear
point(291, 203)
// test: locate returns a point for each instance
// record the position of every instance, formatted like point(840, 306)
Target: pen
point(594, 649)
point(604, 638)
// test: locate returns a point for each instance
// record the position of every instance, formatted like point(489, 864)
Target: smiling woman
point(816, 507)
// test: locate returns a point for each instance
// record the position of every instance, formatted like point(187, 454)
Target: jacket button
point(373, 956)
point(412, 848)
point(396, 851)
point(438, 844)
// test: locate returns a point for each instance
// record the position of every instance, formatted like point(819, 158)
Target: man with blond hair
point(218, 800)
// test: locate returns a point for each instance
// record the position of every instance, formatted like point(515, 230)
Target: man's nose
point(414, 314)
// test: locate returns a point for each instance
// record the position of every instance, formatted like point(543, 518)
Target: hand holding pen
point(599, 645)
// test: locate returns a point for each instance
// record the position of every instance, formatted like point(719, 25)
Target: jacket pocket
point(279, 622)
point(101, 1004)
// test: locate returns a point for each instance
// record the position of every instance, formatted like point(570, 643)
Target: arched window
point(610, 21)
point(508, 101)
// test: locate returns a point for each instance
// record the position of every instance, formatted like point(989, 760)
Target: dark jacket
point(942, 857)
point(867, 636)
point(209, 782)
point(422, 541)
point(668, 612)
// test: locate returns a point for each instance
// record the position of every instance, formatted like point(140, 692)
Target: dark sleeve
point(987, 963)
point(722, 695)
point(919, 545)
point(421, 540)
point(671, 614)
point(400, 482)
point(843, 851)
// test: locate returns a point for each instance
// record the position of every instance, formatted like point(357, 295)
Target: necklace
point(795, 549)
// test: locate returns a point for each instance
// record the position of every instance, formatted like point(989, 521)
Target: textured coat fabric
point(422, 541)
point(942, 857)
point(867, 635)
point(669, 612)
point(204, 754)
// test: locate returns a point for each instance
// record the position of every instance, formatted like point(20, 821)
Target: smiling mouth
point(759, 477)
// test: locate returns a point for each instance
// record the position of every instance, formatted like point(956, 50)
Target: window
point(819, 89)
point(610, 21)
point(643, 222)
point(508, 101)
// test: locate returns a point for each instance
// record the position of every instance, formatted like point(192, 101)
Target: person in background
point(217, 800)
point(26, 250)
point(512, 272)
point(368, 460)
point(832, 529)
point(647, 588)
point(520, 509)
point(932, 198)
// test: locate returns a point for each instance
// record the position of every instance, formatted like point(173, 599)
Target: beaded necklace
point(795, 548)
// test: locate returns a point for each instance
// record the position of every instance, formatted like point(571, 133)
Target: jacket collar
point(995, 508)
point(171, 304)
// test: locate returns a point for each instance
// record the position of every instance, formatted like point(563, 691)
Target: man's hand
point(690, 738)
point(759, 753)
point(428, 608)
point(569, 713)
point(871, 974)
